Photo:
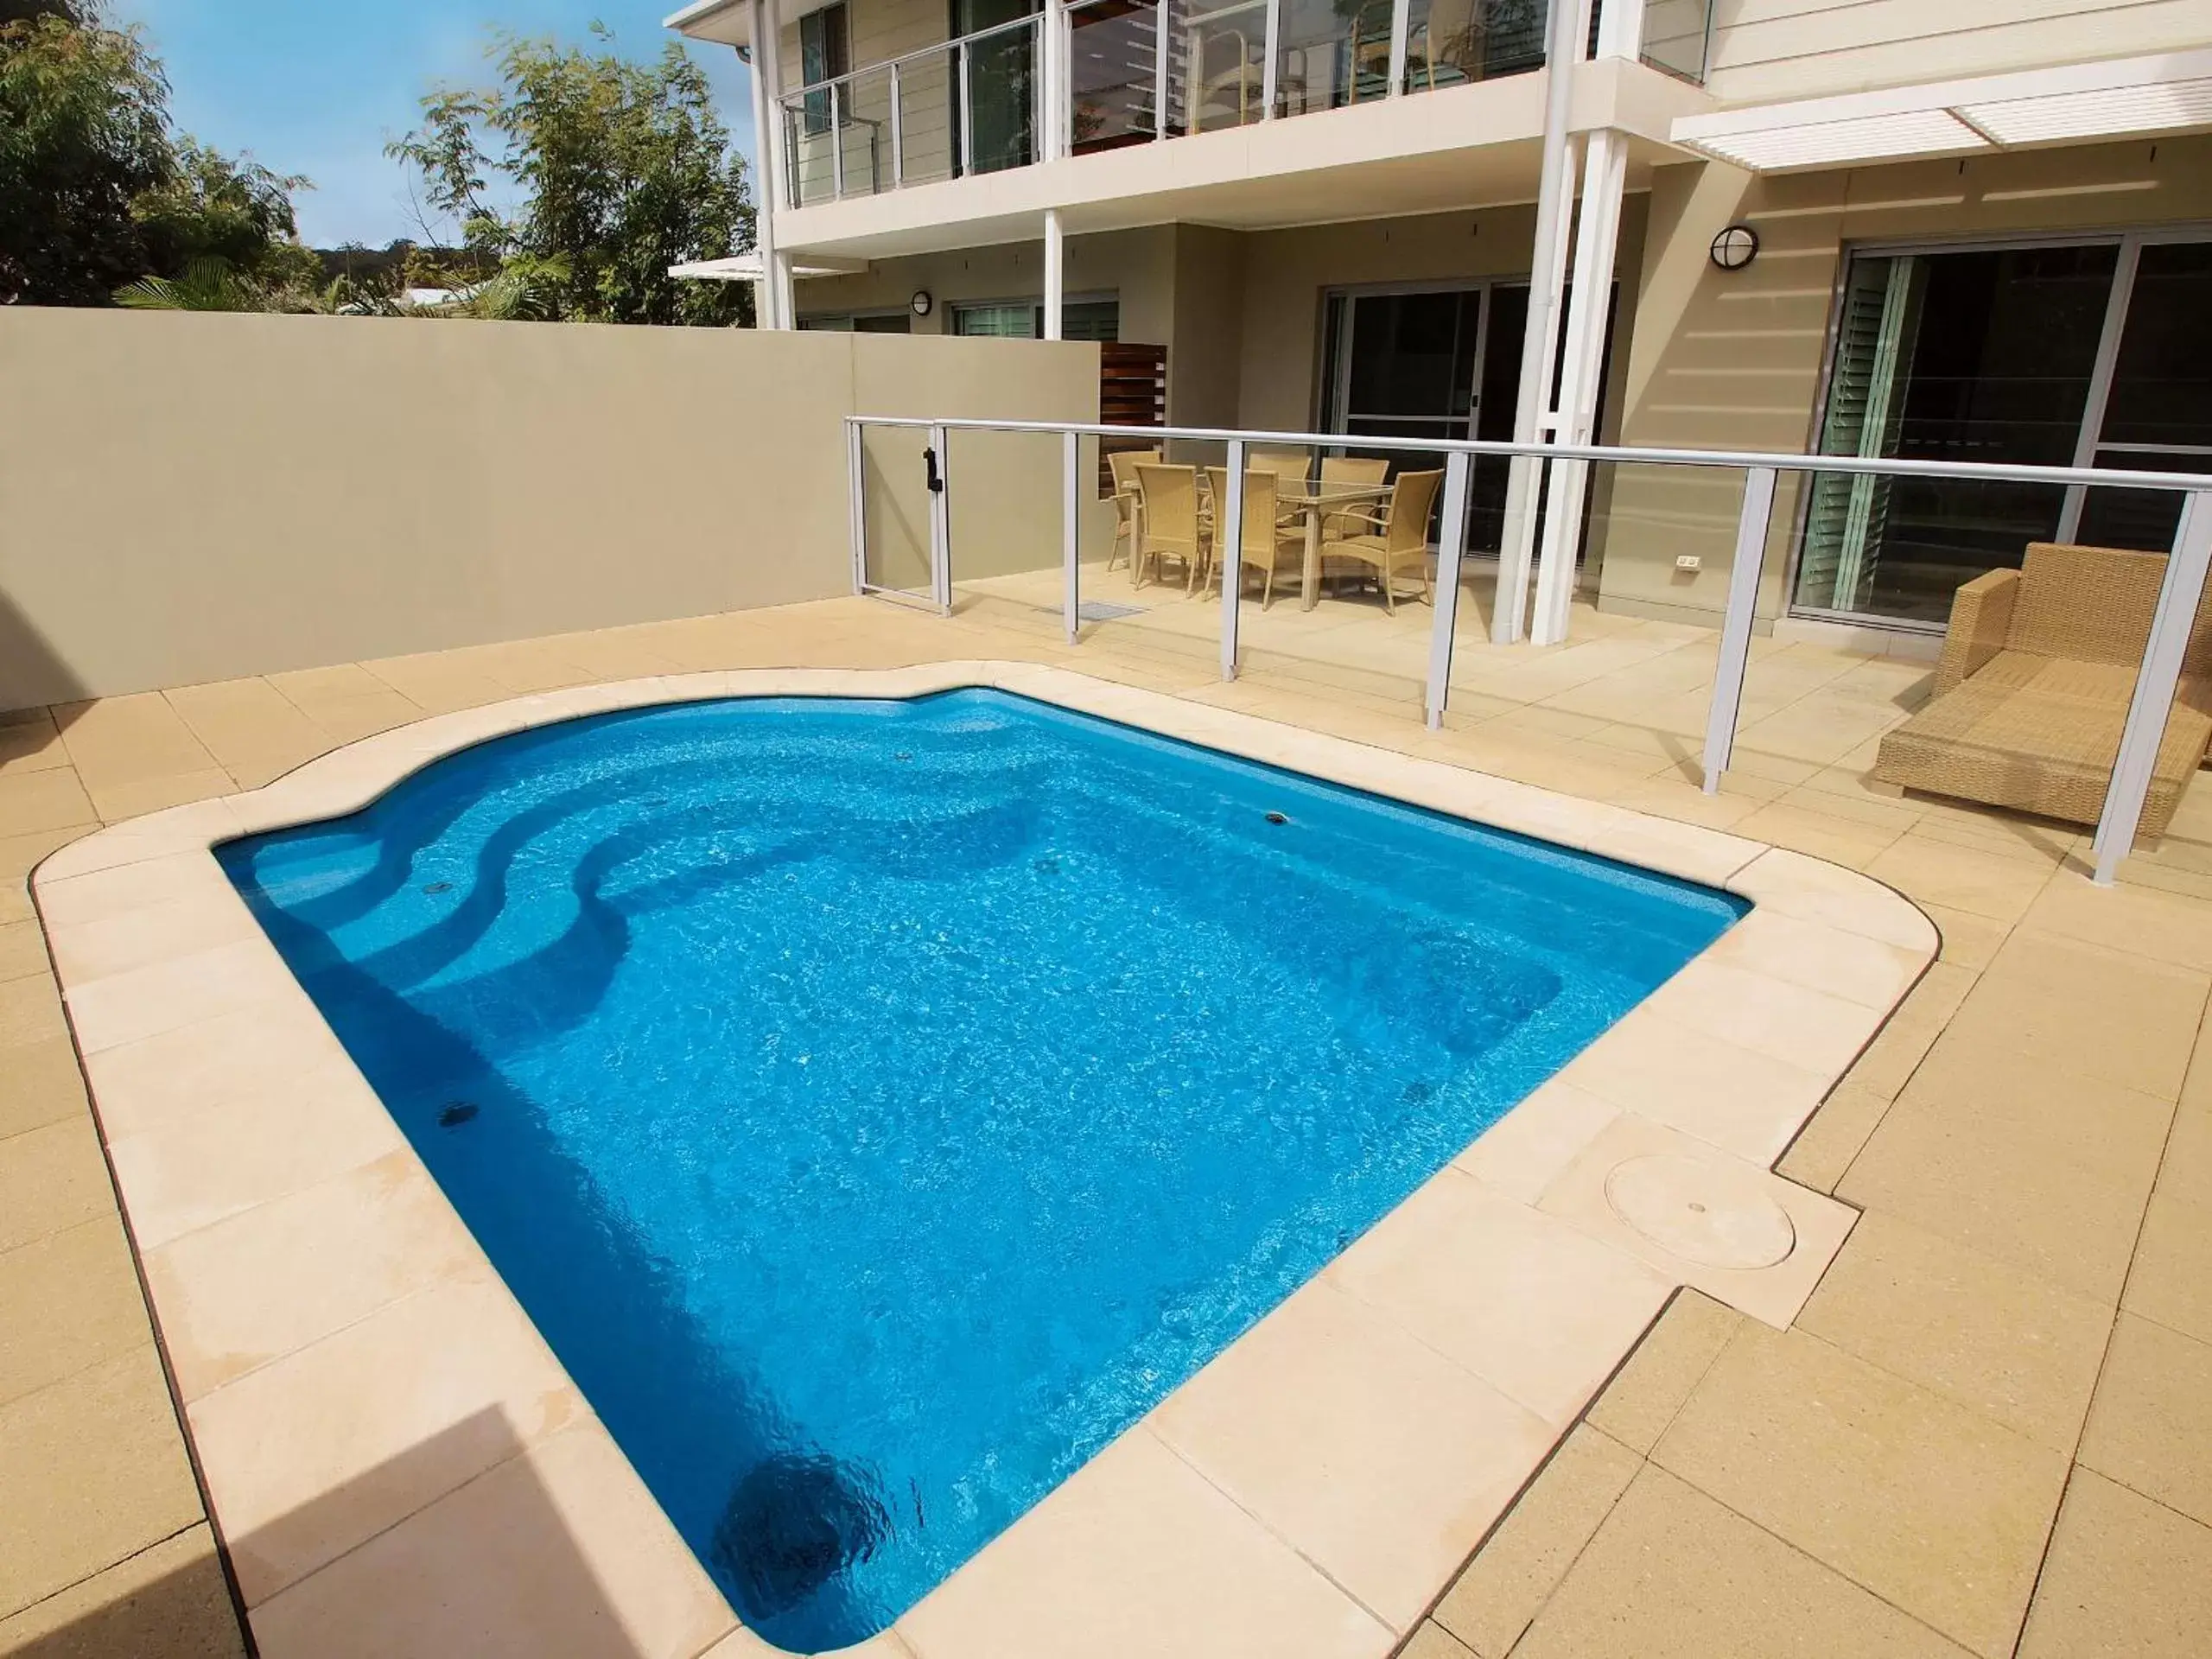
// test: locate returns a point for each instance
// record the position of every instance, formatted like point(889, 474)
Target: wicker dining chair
point(1167, 521)
point(1122, 464)
point(1345, 471)
point(1264, 538)
point(1399, 535)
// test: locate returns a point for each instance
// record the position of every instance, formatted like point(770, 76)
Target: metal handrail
point(2158, 680)
point(1028, 21)
point(1625, 453)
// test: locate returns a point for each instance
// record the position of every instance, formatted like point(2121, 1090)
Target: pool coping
point(366, 1401)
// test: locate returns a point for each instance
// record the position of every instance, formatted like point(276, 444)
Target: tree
point(237, 212)
point(94, 192)
point(623, 170)
point(82, 133)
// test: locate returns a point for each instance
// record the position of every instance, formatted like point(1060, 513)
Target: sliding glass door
point(2092, 353)
point(2157, 410)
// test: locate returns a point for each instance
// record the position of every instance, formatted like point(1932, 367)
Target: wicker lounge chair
point(2038, 671)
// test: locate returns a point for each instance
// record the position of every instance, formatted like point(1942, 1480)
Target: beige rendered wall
point(1288, 272)
point(187, 498)
point(1766, 49)
point(1733, 360)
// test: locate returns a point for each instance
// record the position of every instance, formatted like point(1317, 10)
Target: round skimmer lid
point(1705, 1213)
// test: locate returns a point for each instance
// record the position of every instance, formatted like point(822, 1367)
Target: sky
point(318, 86)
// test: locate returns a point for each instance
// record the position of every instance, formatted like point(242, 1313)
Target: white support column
point(786, 301)
point(1548, 268)
point(1581, 384)
point(1056, 286)
point(1401, 31)
point(767, 154)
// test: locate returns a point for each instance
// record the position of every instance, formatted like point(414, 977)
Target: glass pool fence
point(1408, 575)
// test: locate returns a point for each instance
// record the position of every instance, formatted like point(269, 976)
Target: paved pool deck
point(1986, 1432)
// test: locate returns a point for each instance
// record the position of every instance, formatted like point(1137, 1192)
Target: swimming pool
point(880, 1105)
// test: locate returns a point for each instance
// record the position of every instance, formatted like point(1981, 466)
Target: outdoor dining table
point(1315, 502)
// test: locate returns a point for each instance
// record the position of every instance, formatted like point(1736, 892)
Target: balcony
point(1140, 72)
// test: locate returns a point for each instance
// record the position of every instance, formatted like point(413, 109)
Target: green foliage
point(208, 284)
point(94, 192)
point(212, 207)
point(83, 133)
point(623, 169)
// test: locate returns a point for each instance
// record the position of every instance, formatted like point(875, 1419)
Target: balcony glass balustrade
point(1139, 71)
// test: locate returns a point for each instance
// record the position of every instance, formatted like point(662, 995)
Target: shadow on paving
point(455, 1547)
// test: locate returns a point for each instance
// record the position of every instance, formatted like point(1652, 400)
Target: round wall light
point(1735, 247)
point(921, 302)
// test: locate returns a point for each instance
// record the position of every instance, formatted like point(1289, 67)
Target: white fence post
point(856, 501)
point(1229, 544)
point(1736, 625)
point(940, 520)
point(2154, 686)
point(1071, 528)
point(1451, 537)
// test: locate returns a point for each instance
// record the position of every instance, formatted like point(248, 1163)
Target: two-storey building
point(1978, 230)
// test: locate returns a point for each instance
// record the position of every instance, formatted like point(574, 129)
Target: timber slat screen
point(1132, 392)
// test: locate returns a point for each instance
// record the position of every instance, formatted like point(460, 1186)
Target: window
point(1998, 353)
point(1099, 320)
point(824, 54)
point(859, 322)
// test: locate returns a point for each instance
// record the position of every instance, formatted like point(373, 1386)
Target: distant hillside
point(381, 268)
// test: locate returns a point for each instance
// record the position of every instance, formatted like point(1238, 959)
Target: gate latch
point(936, 479)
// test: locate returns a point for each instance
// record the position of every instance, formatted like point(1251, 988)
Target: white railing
point(973, 105)
point(1125, 72)
point(2157, 680)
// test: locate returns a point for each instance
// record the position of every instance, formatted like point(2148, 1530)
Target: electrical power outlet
point(1689, 562)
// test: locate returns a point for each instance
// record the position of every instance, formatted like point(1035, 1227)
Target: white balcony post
point(897, 131)
point(1055, 274)
point(1620, 28)
point(1736, 624)
point(772, 191)
point(1451, 540)
point(966, 111)
point(1268, 70)
point(1229, 544)
point(836, 141)
point(2155, 683)
point(1071, 532)
point(1539, 345)
point(1400, 34)
point(1159, 69)
point(1054, 55)
point(1581, 385)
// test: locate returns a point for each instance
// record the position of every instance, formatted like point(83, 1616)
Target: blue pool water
point(879, 1106)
